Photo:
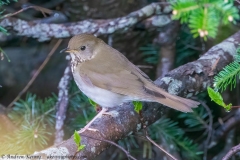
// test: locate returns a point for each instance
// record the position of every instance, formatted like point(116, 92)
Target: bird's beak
point(65, 50)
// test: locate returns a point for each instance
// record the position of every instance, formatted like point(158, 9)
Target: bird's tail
point(172, 101)
point(178, 103)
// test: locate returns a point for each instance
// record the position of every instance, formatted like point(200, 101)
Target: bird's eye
point(83, 48)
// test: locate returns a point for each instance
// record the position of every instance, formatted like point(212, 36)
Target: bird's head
point(82, 47)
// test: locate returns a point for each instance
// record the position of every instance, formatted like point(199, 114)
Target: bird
point(108, 78)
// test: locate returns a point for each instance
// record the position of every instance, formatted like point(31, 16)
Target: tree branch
point(62, 104)
point(44, 32)
point(232, 152)
point(186, 81)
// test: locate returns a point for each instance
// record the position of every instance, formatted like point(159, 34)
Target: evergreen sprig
point(3, 30)
point(150, 53)
point(203, 22)
point(35, 121)
point(172, 133)
point(204, 16)
point(182, 9)
point(4, 2)
point(195, 120)
point(34, 109)
point(228, 76)
point(186, 46)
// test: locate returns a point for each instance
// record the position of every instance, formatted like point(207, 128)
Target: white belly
point(101, 96)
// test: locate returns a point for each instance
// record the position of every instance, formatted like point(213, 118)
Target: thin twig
point(225, 127)
point(232, 152)
point(154, 143)
point(237, 1)
point(41, 9)
point(203, 45)
point(113, 143)
point(36, 73)
point(235, 107)
point(209, 128)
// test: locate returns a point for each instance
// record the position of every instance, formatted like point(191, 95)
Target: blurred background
point(29, 124)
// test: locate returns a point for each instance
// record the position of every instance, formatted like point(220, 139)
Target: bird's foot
point(87, 127)
point(112, 113)
point(98, 108)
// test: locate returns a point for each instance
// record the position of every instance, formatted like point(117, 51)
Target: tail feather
point(181, 104)
point(161, 96)
point(175, 102)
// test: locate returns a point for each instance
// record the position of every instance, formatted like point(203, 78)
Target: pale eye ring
point(83, 48)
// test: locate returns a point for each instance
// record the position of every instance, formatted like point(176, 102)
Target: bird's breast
point(101, 96)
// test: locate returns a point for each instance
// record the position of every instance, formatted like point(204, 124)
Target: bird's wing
point(121, 82)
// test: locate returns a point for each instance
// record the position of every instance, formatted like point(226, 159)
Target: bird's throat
point(74, 62)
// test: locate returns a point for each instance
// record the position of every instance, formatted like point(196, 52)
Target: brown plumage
point(109, 78)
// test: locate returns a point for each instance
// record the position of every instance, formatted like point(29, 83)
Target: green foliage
point(196, 119)
point(35, 110)
point(3, 30)
point(2, 54)
point(217, 98)
point(169, 130)
point(228, 76)
point(204, 16)
point(25, 140)
point(94, 104)
point(186, 47)
point(35, 121)
point(137, 106)
point(77, 140)
point(204, 22)
point(4, 2)
point(150, 53)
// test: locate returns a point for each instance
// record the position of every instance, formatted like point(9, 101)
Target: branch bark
point(62, 104)
point(186, 81)
point(232, 152)
point(44, 31)
point(167, 40)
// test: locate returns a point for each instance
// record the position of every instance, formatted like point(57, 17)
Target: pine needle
point(228, 76)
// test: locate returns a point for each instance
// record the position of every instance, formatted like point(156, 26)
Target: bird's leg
point(98, 108)
point(87, 127)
